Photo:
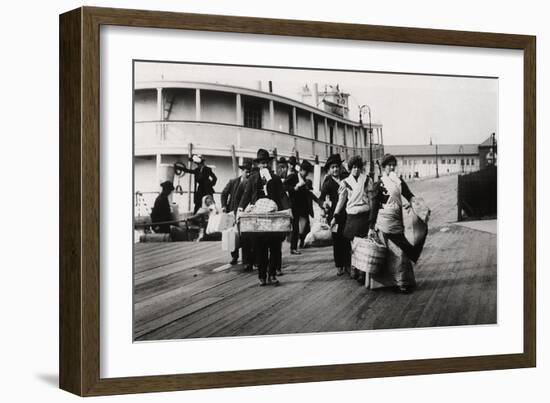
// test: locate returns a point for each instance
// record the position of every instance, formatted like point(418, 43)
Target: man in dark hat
point(340, 245)
point(161, 212)
point(299, 190)
point(205, 180)
point(230, 198)
point(292, 164)
point(265, 183)
point(282, 168)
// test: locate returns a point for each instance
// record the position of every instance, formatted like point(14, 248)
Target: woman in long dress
point(341, 246)
point(355, 198)
point(386, 221)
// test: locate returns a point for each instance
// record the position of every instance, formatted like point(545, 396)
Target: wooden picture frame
point(80, 200)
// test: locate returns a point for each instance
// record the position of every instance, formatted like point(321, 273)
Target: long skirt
point(341, 248)
point(398, 270)
point(356, 225)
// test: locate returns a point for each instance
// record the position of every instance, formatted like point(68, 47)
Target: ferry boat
point(174, 120)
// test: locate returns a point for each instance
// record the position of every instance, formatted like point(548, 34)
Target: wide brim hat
point(167, 185)
point(282, 160)
point(388, 158)
point(262, 155)
point(306, 166)
point(333, 159)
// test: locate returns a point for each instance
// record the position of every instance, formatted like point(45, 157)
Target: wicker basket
point(368, 255)
point(276, 222)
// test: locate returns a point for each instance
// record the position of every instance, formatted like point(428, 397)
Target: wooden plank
point(180, 295)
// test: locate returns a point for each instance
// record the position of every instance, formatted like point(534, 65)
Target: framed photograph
point(249, 201)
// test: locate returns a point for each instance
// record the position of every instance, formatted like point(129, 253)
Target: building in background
point(488, 152)
point(227, 125)
point(430, 160)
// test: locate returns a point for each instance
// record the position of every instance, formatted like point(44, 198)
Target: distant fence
point(477, 194)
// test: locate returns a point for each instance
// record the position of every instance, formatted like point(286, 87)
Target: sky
point(411, 108)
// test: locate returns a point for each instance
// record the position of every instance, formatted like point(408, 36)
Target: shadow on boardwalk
point(187, 290)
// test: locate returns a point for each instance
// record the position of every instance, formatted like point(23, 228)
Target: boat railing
point(205, 137)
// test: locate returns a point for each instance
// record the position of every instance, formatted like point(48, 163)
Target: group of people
point(354, 203)
point(360, 206)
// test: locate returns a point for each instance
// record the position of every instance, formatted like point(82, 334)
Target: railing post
point(197, 104)
point(238, 110)
point(294, 120)
point(160, 114)
point(271, 115)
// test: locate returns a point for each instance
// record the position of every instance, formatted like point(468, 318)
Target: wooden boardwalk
point(187, 290)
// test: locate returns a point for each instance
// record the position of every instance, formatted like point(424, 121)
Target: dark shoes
point(273, 281)
point(248, 268)
point(295, 252)
point(404, 289)
point(234, 261)
point(340, 271)
point(279, 272)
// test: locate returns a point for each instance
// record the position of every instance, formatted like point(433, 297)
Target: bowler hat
point(262, 155)
point(306, 166)
point(167, 185)
point(282, 160)
point(333, 159)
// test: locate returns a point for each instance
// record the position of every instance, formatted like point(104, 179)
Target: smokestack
point(270, 86)
point(316, 94)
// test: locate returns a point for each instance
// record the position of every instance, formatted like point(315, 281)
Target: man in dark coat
point(205, 180)
point(161, 212)
point(341, 246)
point(230, 198)
point(299, 190)
point(264, 183)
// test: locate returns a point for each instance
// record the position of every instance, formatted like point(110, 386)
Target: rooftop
point(426, 149)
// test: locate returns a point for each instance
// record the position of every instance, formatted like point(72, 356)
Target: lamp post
point(461, 151)
point(371, 160)
point(494, 149)
point(436, 162)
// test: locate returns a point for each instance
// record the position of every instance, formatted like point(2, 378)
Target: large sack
point(219, 222)
point(320, 235)
point(265, 205)
point(416, 229)
point(230, 239)
point(421, 209)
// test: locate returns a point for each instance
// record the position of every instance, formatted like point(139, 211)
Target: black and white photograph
point(270, 200)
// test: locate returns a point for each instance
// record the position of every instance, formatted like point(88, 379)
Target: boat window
point(253, 115)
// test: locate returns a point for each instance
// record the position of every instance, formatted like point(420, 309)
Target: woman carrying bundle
point(354, 198)
point(386, 221)
point(341, 246)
